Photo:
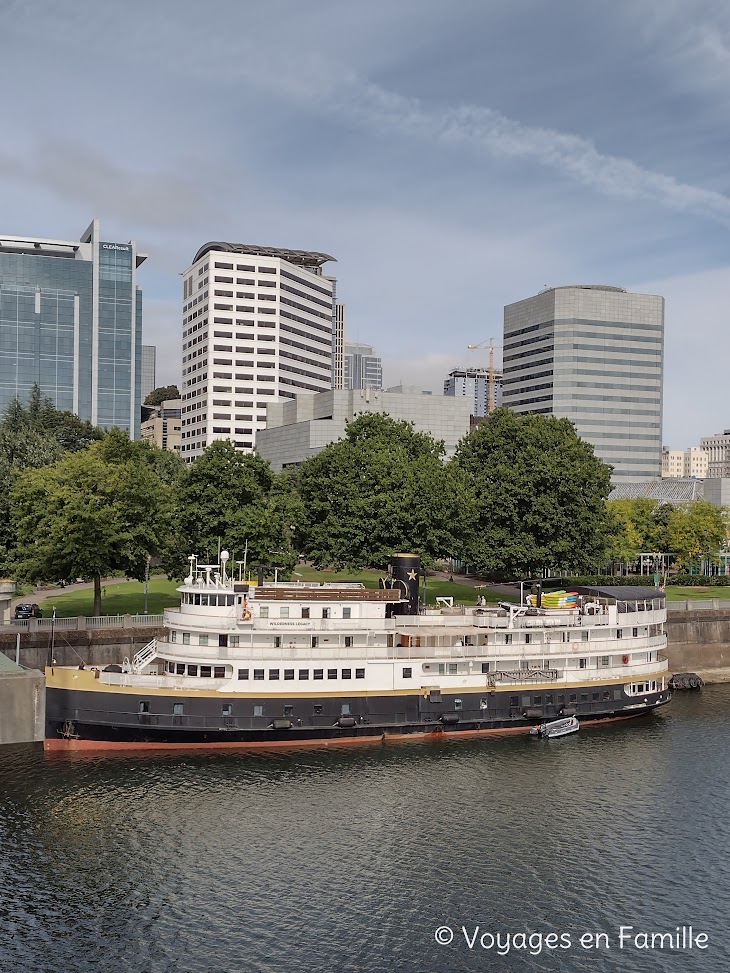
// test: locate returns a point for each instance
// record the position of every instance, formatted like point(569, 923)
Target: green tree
point(100, 511)
point(162, 394)
point(539, 492)
point(641, 527)
point(697, 530)
point(382, 488)
point(234, 500)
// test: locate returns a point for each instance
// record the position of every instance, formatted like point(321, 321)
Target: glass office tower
point(71, 323)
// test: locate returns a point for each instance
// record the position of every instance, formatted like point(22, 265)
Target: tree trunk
point(97, 594)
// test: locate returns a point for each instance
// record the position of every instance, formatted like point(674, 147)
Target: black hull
point(75, 719)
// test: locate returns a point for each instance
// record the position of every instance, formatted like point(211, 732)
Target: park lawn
point(126, 598)
point(680, 592)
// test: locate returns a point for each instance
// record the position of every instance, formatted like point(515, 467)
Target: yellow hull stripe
point(83, 680)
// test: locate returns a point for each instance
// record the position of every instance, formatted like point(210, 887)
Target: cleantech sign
point(116, 246)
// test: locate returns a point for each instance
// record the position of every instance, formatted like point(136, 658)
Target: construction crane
point(488, 346)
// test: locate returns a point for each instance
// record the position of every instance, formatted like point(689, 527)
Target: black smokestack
point(406, 568)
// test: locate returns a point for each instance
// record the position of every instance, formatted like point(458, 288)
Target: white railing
point(695, 604)
point(145, 655)
point(81, 623)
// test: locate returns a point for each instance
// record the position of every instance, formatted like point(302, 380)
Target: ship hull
point(100, 719)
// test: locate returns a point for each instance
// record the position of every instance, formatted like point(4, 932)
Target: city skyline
point(420, 156)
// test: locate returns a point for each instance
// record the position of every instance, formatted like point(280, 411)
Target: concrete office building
point(685, 462)
point(163, 426)
point(593, 354)
point(473, 383)
point(149, 361)
point(71, 322)
point(301, 428)
point(338, 348)
point(363, 368)
point(257, 328)
point(717, 449)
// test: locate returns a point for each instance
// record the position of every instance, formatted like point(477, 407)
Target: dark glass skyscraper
point(71, 322)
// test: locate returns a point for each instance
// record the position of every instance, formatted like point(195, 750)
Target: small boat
point(556, 728)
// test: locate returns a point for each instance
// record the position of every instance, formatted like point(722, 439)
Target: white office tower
point(257, 328)
point(593, 354)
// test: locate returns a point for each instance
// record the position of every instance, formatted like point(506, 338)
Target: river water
point(351, 860)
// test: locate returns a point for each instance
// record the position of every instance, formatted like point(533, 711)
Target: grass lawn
point(117, 599)
point(680, 592)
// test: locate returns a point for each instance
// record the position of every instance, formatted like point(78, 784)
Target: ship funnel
point(406, 569)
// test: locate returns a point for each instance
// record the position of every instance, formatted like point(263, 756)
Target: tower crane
point(488, 346)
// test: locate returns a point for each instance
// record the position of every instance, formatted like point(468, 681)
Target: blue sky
point(454, 157)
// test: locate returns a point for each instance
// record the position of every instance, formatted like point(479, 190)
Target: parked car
point(28, 611)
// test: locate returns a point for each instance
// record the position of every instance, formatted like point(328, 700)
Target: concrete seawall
point(22, 704)
point(699, 641)
point(93, 648)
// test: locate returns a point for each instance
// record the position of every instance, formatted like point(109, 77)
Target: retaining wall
point(22, 707)
point(699, 641)
point(93, 648)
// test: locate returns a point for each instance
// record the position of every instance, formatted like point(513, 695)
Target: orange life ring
point(246, 614)
point(625, 659)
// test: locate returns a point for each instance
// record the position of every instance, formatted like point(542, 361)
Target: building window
point(243, 673)
point(407, 672)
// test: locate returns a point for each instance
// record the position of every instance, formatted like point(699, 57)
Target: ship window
point(144, 706)
point(318, 674)
point(258, 710)
point(219, 672)
point(273, 673)
point(549, 700)
point(572, 698)
point(594, 696)
point(192, 670)
point(619, 633)
point(277, 641)
point(178, 709)
point(345, 709)
point(347, 612)
point(180, 669)
point(223, 641)
point(289, 710)
point(186, 638)
point(304, 673)
point(325, 613)
point(360, 673)
point(527, 638)
point(348, 641)
point(583, 663)
point(584, 636)
point(284, 611)
point(561, 699)
point(538, 701)
point(347, 673)
point(315, 641)
point(317, 709)
point(635, 632)
point(305, 613)
point(202, 640)
point(331, 673)
point(258, 674)
point(226, 710)
point(205, 672)
point(526, 700)
point(234, 641)
point(584, 697)
point(483, 703)
point(264, 611)
point(485, 667)
point(174, 637)
point(617, 693)
point(457, 704)
point(508, 638)
point(288, 674)
point(514, 700)
point(243, 673)
point(606, 694)
point(604, 660)
point(407, 672)
point(196, 599)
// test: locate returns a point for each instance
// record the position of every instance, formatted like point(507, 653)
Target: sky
point(453, 156)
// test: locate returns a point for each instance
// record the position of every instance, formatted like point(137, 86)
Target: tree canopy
point(539, 494)
point(162, 394)
point(100, 511)
point(697, 530)
point(382, 488)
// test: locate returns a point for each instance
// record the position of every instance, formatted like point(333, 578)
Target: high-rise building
point(163, 425)
point(363, 368)
point(149, 360)
point(71, 323)
point(717, 449)
point(686, 462)
point(473, 383)
point(257, 327)
point(593, 354)
point(338, 348)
